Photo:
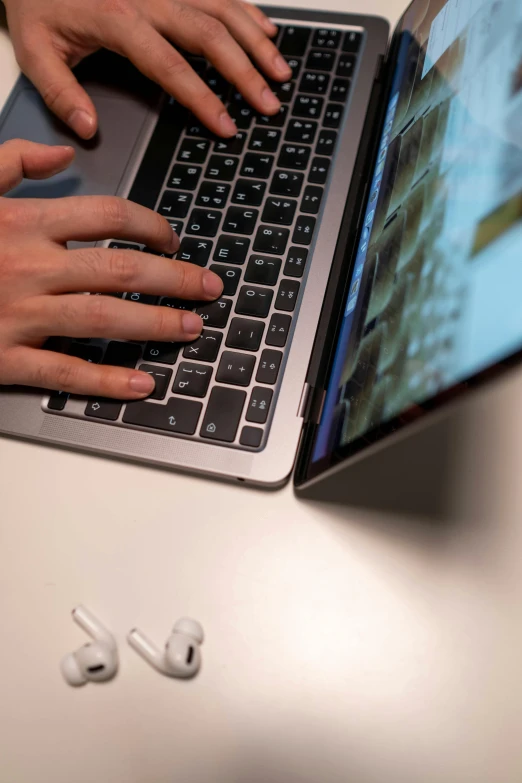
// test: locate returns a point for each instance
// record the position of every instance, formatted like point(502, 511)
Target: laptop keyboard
point(247, 209)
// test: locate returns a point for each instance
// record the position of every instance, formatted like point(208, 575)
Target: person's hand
point(39, 278)
point(51, 36)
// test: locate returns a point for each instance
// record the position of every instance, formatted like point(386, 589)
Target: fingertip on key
point(212, 285)
point(142, 384)
point(192, 325)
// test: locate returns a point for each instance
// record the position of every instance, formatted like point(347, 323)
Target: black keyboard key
point(232, 250)
point(245, 334)
point(176, 226)
point(184, 177)
point(315, 83)
point(295, 65)
point(319, 171)
point(215, 313)
point(264, 140)
point(123, 246)
point(287, 295)
point(327, 39)
point(163, 353)
point(194, 150)
point(192, 380)
point(104, 409)
point(223, 414)
point(216, 82)
point(204, 222)
point(333, 115)
point(326, 142)
point(279, 211)
point(89, 353)
point(205, 348)
point(340, 89)
point(57, 401)
point(319, 60)
point(146, 299)
point(122, 354)
point(179, 416)
point(221, 167)
point(233, 146)
point(242, 114)
point(308, 106)
point(271, 240)
point(254, 301)
point(152, 252)
point(162, 378)
point(296, 262)
point(311, 200)
point(174, 204)
point(176, 304)
point(198, 64)
point(284, 91)
point(230, 275)
point(269, 365)
point(213, 194)
point(196, 128)
point(346, 66)
point(293, 156)
point(259, 404)
point(352, 42)
point(294, 41)
point(274, 120)
point(249, 192)
point(194, 251)
point(286, 183)
point(278, 330)
point(302, 131)
point(235, 368)
point(251, 436)
point(263, 270)
point(239, 220)
point(304, 230)
point(257, 166)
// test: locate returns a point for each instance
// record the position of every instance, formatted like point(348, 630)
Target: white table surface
point(342, 645)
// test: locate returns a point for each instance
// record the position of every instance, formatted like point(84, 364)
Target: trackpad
point(99, 165)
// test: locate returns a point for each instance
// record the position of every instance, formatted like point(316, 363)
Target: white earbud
point(96, 661)
point(181, 656)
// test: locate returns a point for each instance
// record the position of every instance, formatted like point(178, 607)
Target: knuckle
point(185, 282)
point(123, 269)
point(53, 93)
point(114, 212)
point(99, 316)
point(212, 29)
point(176, 66)
point(61, 376)
point(165, 323)
point(14, 213)
point(117, 8)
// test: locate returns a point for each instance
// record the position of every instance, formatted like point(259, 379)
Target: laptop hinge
point(311, 404)
point(304, 402)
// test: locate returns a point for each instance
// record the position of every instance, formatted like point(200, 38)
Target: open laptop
point(369, 237)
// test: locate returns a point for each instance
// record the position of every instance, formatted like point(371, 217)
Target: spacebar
point(176, 416)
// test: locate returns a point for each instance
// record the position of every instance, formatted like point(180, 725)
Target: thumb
point(19, 159)
point(60, 90)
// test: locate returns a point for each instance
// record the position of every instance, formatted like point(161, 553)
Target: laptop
point(369, 238)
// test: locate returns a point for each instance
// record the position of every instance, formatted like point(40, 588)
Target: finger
point(75, 315)
point(54, 371)
point(262, 20)
point(107, 270)
point(158, 60)
point(250, 37)
point(19, 159)
point(60, 89)
point(90, 218)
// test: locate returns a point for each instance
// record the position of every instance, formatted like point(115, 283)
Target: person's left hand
point(52, 36)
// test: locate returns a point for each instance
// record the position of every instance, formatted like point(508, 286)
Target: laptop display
point(434, 298)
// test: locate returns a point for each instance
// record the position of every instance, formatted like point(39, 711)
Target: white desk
point(342, 646)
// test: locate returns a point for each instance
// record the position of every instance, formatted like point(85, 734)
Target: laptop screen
point(435, 295)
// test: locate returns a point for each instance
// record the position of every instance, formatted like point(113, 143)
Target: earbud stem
point(144, 647)
point(92, 626)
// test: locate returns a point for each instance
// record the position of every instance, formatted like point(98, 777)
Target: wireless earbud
point(96, 661)
point(181, 656)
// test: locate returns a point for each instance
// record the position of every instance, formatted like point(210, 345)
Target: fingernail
point(141, 383)
point(270, 100)
point(281, 65)
point(82, 123)
point(192, 324)
point(228, 126)
point(212, 285)
point(65, 147)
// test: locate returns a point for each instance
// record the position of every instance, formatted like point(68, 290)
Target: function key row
point(295, 40)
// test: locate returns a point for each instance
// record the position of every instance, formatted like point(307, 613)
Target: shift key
point(223, 414)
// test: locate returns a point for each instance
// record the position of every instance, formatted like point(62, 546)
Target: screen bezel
point(309, 471)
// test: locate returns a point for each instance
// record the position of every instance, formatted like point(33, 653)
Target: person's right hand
point(40, 278)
